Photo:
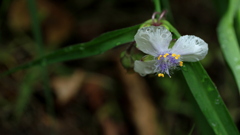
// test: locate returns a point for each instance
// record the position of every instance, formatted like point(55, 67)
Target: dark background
point(96, 95)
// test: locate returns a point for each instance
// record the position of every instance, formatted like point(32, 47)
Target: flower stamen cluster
point(167, 62)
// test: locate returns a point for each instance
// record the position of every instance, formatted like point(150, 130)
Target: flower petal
point(191, 48)
point(153, 40)
point(144, 68)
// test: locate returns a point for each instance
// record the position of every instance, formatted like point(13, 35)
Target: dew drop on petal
point(164, 35)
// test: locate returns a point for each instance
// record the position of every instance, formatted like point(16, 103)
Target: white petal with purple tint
point(144, 68)
point(153, 40)
point(191, 48)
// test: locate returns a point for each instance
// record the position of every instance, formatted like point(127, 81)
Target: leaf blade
point(228, 40)
point(103, 43)
point(206, 95)
point(208, 99)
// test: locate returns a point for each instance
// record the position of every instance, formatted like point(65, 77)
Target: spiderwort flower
point(155, 40)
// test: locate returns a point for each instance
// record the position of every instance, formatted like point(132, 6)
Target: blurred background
point(97, 95)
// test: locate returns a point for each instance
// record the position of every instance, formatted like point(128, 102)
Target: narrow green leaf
point(97, 46)
point(202, 125)
point(32, 6)
point(35, 25)
point(208, 99)
point(207, 96)
point(25, 91)
point(228, 40)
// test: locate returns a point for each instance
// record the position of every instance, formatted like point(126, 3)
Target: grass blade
point(228, 40)
point(208, 99)
point(40, 48)
point(35, 26)
point(207, 96)
point(97, 46)
point(26, 91)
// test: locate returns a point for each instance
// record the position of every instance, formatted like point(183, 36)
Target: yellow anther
point(174, 55)
point(159, 57)
point(160, 75)
point(177, 57)
point(181, 63)
point(165, 55)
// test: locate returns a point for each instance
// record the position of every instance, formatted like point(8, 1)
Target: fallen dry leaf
point(66, 88)
point(143, 111)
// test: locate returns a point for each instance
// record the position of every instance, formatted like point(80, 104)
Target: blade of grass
point(35, 26)
point(26, 91)
point(208, 99)
point(201, 123)
point(207, 96)
point(39, 43)
point(228, 40)
point(97, 46)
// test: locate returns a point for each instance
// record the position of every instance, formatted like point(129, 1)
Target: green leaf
point(207, 96)
point(200, 120)
point(36, 29)
point(208, 99)
point(97, 46)
point(26, 91)
point(228, 40)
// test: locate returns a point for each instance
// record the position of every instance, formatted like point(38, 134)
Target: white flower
point(155, 40)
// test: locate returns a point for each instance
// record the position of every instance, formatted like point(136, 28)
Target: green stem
point(157, 5)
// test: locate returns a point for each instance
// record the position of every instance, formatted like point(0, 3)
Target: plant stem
point(157, 5)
